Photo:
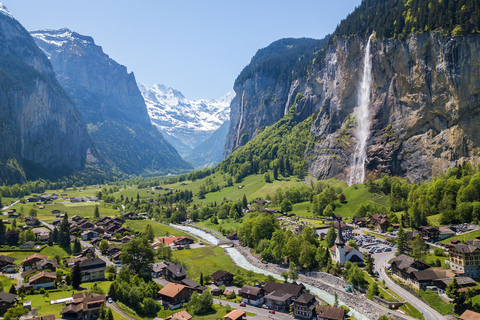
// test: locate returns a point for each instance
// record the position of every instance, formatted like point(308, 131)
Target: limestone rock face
point(111, 103)
point(43, 134)
point(424, 105)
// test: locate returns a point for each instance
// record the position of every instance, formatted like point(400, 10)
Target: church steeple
point(339, 241)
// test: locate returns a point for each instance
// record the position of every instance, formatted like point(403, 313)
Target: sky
point(198, 47)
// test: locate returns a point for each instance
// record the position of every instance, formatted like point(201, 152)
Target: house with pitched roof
point(192, 284)
point(342, 253)
point(236, 314)
point(222, 277)
point(42, 280)
point(173, 295)
point(93, 269)
point(84, 307)
point(252, 295)
point(29, 261)
point(7, 300)
point(465, 258)
point(330, 313)
point(279, 296)
point(174, 272)
point(380, 221)
point(304, 306)
point(182, 315)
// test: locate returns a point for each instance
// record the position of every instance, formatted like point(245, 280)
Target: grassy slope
point(207, 260)
point(463, 237)
point(160, 230)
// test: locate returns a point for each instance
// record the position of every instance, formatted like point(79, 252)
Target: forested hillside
point(399, 18)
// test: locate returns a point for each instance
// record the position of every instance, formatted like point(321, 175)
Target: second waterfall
point(357, 168)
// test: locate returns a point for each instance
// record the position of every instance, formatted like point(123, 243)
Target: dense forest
point(283, 60)
point(279, 148)
point(399, 18)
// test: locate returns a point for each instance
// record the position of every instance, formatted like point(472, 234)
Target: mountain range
point(185, 123)
point(109, 100)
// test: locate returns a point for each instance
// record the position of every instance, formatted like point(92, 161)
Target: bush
point(438, 252)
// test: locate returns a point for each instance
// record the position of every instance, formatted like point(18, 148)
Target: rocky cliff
point(111, 103)
point(264, 88)
point(43, 134)
point(424, 105)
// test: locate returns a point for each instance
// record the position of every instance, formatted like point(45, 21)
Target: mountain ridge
point(110, 102)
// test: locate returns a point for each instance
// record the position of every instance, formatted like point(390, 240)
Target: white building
point(342, 253)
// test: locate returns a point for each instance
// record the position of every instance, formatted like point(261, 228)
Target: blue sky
point(198, 47)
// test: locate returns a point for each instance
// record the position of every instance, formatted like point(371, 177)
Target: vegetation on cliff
point(399, 18)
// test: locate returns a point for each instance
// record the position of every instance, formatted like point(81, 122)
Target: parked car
point(264, 306)
point(110, 300)
point(271, 311)
point(242, 304)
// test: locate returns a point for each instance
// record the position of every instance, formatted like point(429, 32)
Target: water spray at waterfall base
point(362, 132)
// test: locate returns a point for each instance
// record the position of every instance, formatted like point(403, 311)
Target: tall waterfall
point(357, 168)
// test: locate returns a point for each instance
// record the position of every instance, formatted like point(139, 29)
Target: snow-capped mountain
point(185, 123)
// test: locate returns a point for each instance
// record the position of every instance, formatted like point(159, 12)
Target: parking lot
point(368, 242)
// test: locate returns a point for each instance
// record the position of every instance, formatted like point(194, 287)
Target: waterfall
point(240, 109)
point(357, 168)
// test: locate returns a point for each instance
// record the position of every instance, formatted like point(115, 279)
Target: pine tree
point(369, 262)
point(201, 278)
point(96, 214)
point(402, 243)
point(2, 232)
point(76, 276)
point(452, 290)
point(12, 289)
point(50, 239)
point(335, 302)
point(55, 235)
point(149, 233)
point(64, 233)
point(244, 202)
point(77, 247)
point(109, 315)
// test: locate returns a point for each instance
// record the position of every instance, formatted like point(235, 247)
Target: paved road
point(98, 254)
point(381, 260)
point(114, 307)
point(9, 206)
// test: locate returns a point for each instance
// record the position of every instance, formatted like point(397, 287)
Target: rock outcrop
point(43, 134)
point(424, 106)
point(110, 102)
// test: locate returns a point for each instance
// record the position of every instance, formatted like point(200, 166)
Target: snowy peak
point(4, 10)
point(57, 40)
point(170, 111)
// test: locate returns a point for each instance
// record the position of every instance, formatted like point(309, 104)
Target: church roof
point(339, 239)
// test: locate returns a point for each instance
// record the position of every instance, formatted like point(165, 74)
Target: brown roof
point(172, 289)
point(182, 315)
point(35, 255)
point(41, 275)
point(469, 315)
point(331, 313)
point(305, 298)
point(221, 273)
point(291, 288)
point(254, 291)
point(8, 297)
point(235, 314)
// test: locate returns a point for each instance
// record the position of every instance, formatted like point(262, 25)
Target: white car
point(110, 300)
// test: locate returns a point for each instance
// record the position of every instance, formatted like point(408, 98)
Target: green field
point(434, 220)
point(218, 313)
point(229, 224)
point(434, 301)
point(160, 230)
point(463, 237)
point(357, 195)
point(207, 260)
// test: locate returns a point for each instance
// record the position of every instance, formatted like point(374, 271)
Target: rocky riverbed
point(331, 285)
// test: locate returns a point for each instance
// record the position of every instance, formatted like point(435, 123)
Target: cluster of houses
point(45, 198)
point(281, 297)
point(96, 231)
point(178, 243)
point(418, 274)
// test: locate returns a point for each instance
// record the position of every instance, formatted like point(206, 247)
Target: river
point(241, 261)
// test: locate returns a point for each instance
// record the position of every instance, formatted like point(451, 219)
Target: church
point(342, 253)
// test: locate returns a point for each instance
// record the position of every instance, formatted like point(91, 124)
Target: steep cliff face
point(264, 88)
point(111, 103)
point(424, 105)
point(40, 127)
